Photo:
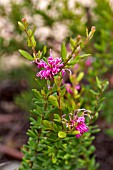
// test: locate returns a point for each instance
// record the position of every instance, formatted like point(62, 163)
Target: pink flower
point(81, 126)
point(51, 68)
point(76, 123)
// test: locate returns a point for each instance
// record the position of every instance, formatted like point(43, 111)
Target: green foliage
point(52, 140)
point(101, 46)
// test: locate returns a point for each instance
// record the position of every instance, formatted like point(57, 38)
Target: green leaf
point(39, 54)
point(56, 129)
point(95, 130)
point(40, 82)
point(47, 124)
point(82, 45)
point(84, 56)
point(72, 42)
point(80, 76)
point(52, 110)
point(63, 92)
point(78, 58)
point(98, 83)
point(32, 133)
point(53, 100)
point(61, 134)
point(54, 159)
point(74, 61)
point(33, 41)
point(26, 55)
point(34, 29)
point(95, 117)
point(105, 86)
point(87, 32)
point(38, 95)
point(29, 43)
point(63, 51)
point(44, 50)
point(75, 132)
point(57, 118)
point(37, 111)
point(30, 33)
point(93, 92)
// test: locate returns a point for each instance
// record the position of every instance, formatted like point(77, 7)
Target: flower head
point(77, 123)
point(51, 68)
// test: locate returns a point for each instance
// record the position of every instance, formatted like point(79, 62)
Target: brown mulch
point(104, 151)
point(13, 121)
point(104, 146)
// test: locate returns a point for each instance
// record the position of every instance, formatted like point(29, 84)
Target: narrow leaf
point(63, 92)
point(84, 56)
point(33, 41)
point(63, 51)
point(93, 92)
point(80, 76)
point(54, 159)
point(105, 86)
point(75, 132)
point(98, 83)
point(47, 124)
point(26, 55)
point(72, 42)
point(43, 52)
point(87, 32)
point(75, 60)
point(53, 100)
point(57, 118)
point(78, 58)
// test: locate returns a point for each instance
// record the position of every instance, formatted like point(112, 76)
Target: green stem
point(33, 48)
point(70, 56)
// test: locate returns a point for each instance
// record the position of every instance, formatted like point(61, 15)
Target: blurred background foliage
point(57, 21)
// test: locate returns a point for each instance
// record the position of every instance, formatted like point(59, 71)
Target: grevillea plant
point(60, 134)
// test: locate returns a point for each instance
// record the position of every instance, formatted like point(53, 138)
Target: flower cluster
point(76, 123)
point(51, 68)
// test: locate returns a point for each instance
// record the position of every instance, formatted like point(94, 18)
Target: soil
point(104, 147)
point(14, 124)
